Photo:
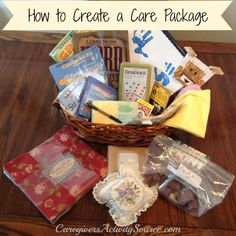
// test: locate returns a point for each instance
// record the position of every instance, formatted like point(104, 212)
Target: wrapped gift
point(57, 173)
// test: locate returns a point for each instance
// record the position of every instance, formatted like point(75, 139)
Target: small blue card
point(88, 62)
point(95, 91)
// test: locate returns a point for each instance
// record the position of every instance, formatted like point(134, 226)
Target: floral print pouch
point(125, 194)
point(57, 173)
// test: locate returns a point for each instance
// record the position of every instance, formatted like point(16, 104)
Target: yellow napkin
point(193, 114)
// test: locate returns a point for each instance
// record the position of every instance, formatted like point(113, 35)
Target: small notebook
point(57, 173)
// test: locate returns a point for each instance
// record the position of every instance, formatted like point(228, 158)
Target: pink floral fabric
point(28, 172)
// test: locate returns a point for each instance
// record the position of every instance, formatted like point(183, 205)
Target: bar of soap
point(125, 194)
point(116, 155)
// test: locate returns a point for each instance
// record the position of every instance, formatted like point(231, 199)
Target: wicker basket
point(129, 135)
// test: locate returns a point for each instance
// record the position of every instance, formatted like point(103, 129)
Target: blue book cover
point(95, 91)
point(89, 62)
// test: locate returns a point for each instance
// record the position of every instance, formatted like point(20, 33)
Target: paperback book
point(94, 91)
point(86, 63)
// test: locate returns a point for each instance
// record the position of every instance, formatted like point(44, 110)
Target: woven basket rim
point(113, 134)
point(67, 115)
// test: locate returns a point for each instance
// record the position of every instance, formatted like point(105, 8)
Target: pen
point(89, 103)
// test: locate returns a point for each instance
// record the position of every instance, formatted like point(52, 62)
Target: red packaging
point(57, 173)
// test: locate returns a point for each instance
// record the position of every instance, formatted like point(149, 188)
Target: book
point(113, 46)
point(134, 81)
point(161, 51)
point(94, 90)
point(86, 63)
point(57, 173)
point(124, 111)
point(69, 97)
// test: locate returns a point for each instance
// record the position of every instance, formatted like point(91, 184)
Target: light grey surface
point(5, 15)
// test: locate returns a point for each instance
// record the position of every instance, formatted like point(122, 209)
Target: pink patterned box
point(57, 173)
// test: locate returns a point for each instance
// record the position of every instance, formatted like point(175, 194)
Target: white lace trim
point(109, 203)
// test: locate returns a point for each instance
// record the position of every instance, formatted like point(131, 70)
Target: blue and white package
point(160, 50)
point(95, 91)
point(88, 62)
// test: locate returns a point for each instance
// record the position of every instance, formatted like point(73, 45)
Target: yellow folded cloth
point(193, 114)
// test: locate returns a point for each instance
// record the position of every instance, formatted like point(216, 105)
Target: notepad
point(124, 111)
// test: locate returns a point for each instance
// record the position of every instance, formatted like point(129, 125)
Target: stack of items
point(178, 172)
point(130, 78)
point(125, 78)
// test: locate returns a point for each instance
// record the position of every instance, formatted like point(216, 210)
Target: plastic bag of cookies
point(185, 176)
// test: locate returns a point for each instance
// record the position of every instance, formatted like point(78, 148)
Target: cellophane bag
point(185, 176)
point(57, 173)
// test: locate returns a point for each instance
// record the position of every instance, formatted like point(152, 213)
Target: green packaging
point(63, 49)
